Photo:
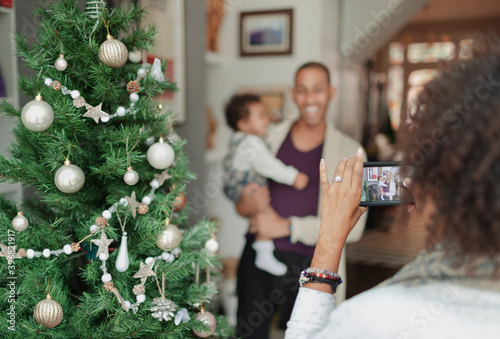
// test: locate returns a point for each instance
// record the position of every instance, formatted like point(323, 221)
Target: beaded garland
point(139, 290)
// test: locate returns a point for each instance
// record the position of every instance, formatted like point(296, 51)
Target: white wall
point(369, 25)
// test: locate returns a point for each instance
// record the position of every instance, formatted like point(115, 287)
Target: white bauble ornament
point(61, 64)
point(209, 320)
point(69, 178)
point(160, 155)
point(122, 261)
point(212, 245)
point(135, 55)
point(113, 53)
point(37, 115)
point(169, 237)
point(48, 312)
point(20, 223)
point(131, 177)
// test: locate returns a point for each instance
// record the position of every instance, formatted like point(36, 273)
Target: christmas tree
point(103, 249)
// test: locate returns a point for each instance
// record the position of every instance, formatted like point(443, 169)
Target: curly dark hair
point(453, 142)
point(237, 108)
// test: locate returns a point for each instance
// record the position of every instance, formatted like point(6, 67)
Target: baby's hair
point(237, 108)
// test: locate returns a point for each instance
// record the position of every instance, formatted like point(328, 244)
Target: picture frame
point(265, 33)
point(372, 174)
point(168, 17)
point(275, 98)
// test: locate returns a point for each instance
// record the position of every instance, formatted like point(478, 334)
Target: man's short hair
point(316, 65)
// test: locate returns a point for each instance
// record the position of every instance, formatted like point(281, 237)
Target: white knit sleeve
point(310, 314)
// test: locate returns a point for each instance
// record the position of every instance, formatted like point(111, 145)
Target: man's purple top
point(387, 186)
point(287, 201)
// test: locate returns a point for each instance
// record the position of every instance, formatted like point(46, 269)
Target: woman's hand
point(340, 201)
point(339, 213)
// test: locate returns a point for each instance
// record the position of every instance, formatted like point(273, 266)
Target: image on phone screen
point(383, 183)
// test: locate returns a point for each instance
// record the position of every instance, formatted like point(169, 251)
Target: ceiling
point(455, 10)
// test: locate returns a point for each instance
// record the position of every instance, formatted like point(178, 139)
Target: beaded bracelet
point(318, 275)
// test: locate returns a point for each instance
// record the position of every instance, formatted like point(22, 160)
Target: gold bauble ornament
point(169, 237)
point(113, 53)
point(48, 312)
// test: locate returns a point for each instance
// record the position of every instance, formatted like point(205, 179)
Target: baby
point(381, 186)
point(250, 160)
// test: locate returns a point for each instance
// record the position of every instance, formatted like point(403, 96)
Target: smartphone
point(383, 183)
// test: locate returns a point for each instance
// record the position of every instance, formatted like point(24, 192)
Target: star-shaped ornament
point(145, 271)
point(163, 176)
point(95, 112)
point(5, 252)
point(132, 204)
point(103, 244)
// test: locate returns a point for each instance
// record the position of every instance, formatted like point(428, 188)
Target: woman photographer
point(452, 289)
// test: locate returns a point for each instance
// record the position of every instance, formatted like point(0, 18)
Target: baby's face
point(257, 120)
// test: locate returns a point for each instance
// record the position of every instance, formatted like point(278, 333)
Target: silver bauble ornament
point(113, 53)
point(169, 237)
point(122, 261)
point(61, 64)
point(37, 115)
point(131, 177)
point(20, 223)
point(209, 320)
point(69, 178)
point(48, 312)
point(135, 55)
point(160, 155)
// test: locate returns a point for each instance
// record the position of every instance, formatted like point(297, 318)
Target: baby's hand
point(301, 181)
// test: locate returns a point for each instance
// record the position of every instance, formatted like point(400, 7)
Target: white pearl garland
point(106, 278)
point(67, 249)
point(74, 94)
point(106, 214)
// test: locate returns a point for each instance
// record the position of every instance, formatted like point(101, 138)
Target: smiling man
point(293, 221)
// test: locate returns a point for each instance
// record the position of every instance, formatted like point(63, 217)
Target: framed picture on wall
point(275, 98)
point(266, 33)
point(372, 174)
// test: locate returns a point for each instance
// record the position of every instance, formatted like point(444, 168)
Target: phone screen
point(383, 183)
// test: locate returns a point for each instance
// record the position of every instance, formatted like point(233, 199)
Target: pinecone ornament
point(56, 85)
point(139, 289)
point(101, 221)
point(133, 87)
point(142, 208)
point(79, 102)
point(164, 309)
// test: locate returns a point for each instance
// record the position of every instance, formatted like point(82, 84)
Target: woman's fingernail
point(344, 158)
point(359, 152)
point(322, 162)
